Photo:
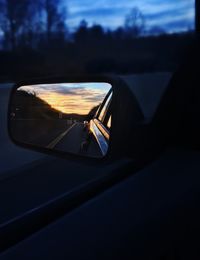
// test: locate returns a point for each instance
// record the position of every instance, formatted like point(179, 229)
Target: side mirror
point(87, 117)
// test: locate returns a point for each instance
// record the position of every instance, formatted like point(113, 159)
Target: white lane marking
point(59, 138)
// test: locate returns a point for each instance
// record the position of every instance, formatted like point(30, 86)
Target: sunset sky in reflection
point(78, 98)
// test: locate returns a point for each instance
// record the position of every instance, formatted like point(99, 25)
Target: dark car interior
point(140, 202)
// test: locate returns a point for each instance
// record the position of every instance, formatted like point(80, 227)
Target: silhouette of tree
point(55, 17)
point(33, 27)
point(134, 22)
point(92, 36)
point(119, 33)
point(83, 24)
point(14, 14)
point(96, 32)
point(81, 33)
point(156, 30)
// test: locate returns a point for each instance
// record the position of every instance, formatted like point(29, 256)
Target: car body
point(97, 140)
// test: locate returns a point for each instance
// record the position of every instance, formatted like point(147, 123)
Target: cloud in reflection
point(78, 98)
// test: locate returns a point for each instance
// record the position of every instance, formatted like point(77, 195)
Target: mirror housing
point(126, 118)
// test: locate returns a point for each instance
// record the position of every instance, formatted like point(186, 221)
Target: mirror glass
point(69, 117)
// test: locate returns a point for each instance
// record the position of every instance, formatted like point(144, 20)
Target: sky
point(78, 98)
point(170, 15)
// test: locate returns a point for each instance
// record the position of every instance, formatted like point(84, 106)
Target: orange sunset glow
point(77, 98)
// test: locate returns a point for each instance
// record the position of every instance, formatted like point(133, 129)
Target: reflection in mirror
point(70, 117)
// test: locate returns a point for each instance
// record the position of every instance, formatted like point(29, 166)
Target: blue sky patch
point(170, 15)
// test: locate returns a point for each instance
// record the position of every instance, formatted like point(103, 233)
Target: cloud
point(72, 97)
point(111, 13)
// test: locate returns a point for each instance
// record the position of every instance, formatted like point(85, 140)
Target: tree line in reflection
point(27, 105)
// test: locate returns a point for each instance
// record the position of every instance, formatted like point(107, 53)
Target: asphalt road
point(71, 139)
